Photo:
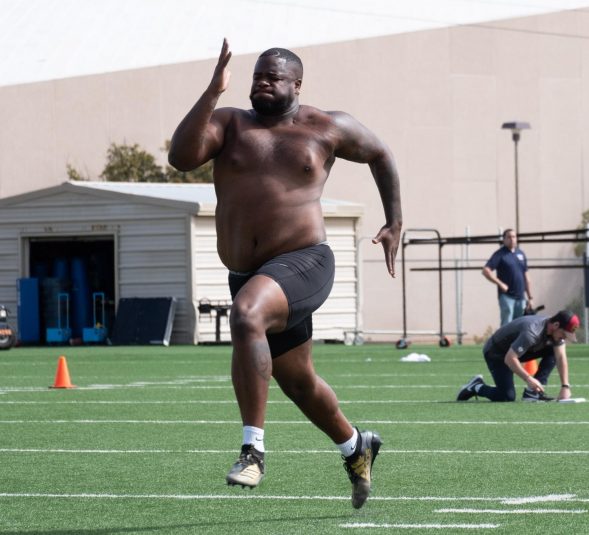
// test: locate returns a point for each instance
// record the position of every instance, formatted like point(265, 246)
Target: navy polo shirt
point(510, 267)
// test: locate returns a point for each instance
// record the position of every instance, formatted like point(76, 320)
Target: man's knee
point(505, 396)
point(244, 320)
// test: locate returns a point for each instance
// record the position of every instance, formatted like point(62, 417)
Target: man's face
point(274, 86)
point(510, 240)
point(558, 334)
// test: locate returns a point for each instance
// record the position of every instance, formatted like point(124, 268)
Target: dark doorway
point(81, 270)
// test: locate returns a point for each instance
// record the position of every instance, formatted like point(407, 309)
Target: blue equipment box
point(29, 319)
point(60, 334)
point(57, 335)
point(96, 334)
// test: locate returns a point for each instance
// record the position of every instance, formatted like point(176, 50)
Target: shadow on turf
point(155, 529)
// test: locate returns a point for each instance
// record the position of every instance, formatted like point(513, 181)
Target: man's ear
point(298, 83)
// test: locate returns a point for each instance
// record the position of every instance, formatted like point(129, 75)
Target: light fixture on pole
point(516, 127)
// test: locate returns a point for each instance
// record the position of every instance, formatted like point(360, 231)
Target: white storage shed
point(152, 240)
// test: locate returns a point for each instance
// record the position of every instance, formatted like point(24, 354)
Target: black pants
point(504, 389)
point(306, 277)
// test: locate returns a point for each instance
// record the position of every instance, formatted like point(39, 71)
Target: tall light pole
point(516, 127)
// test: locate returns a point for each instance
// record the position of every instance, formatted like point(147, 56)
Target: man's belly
point(246, 241)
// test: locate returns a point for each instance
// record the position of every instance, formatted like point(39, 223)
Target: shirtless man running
point(271, 164)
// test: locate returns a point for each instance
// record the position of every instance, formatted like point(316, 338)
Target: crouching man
point(525, 338)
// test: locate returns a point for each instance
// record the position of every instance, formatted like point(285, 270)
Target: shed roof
point(198, 199)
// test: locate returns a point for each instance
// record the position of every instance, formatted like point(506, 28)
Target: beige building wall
point(438, 98)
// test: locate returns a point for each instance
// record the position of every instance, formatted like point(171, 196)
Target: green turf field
point(144, 443)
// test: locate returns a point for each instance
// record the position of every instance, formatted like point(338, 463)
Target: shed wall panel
point(162, 251)
point(151, 240)
point(337, 314)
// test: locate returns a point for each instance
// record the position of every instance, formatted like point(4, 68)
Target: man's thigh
point(506, 305)
point(519, 307)
point(502, 376)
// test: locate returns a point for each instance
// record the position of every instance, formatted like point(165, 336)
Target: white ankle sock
point(254, 435)
point(349, 446)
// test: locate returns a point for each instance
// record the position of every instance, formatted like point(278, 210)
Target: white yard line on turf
point(255, 496)
point(207, 402)
point(293, 452)
point(187, 384)
point(369, 525)
point(296, 422)
point(538, 499)
point(515, 511)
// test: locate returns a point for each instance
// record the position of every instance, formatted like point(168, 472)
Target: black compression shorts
point(306, 277)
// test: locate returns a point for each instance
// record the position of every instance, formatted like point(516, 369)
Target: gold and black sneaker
point(359, 466)
point(248, 471)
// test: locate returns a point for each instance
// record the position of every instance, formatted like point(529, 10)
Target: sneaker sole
point(233, 483)
point(243, 485)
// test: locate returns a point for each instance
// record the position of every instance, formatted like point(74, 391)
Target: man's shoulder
point(497, 255)
point(228, 112)
point(532, 323)
point(305, 114)
point(311, 113)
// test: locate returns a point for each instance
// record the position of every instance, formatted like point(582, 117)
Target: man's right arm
point(512, 361)
point(488, 273)
point(199, 136)
point(490, 276)
point(358, 144)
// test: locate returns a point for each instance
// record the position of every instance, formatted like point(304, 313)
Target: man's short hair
point(288, 55)
point(506, 231)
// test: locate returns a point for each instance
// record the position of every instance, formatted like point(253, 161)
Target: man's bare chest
point(297, 147)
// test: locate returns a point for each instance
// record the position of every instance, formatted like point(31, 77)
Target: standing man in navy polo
point(511, 277)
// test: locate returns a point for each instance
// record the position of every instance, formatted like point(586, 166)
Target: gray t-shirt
point(525, 335)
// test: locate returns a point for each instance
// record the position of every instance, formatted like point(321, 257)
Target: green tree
point(130, 163)
point(74, 174)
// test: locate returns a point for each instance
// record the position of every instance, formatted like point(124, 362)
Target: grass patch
point(144, 443)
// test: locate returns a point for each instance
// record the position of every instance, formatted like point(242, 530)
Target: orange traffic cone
point(531, 366)
point(62, 377)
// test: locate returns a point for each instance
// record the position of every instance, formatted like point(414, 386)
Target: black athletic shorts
point(306, 277)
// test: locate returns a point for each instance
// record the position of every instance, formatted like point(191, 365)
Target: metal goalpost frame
point(557, 236)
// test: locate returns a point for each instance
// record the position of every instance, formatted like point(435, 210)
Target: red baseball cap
point(568, 322)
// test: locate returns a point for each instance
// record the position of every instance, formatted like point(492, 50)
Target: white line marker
point(368, 525)
point(539, 499)
point(209, 402)
point(303, 452)
point(490, 452)
point(474, 422)
point(292, 422)
point(254, 496)
point(515, 511)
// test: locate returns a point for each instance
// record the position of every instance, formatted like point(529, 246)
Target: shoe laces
point(249, 455)
point(360, 467)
